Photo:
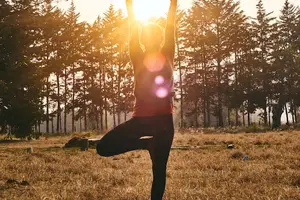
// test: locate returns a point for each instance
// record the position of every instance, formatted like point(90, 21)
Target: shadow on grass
point(51, 149)
point(11, 141)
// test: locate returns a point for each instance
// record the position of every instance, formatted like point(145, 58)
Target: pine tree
point(193, 37)
point(50, 23)
point(285, 57)
point(97, 40)
point(74, 47)
point(239, 38)
point(20, 80)
point(246, 91)
point(263, 26)
point(110, 22)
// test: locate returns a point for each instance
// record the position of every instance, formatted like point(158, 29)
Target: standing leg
point(159, 152)
point(123, 138)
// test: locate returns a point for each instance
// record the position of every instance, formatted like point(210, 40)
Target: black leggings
point(130, 135)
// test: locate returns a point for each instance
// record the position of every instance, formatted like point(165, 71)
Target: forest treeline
point(53, 65)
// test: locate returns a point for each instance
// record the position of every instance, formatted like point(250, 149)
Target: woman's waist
point(148, 108)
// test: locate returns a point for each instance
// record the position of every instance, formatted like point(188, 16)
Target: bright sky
point(90, 9)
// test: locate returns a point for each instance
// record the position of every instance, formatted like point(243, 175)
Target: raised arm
point(169, 46)
point(134, 44)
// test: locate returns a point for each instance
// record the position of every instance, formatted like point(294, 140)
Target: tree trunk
point(204, 114)
point(236, 87)
point(277, 112)
point(106, 114)
point(58, 104)
point(101, 75)
point(220, 109)
point(85, 110)
point(114, 114)
point(269, 114)
point(52, 125)
point(39, 126)
point(265, 114)
point(119, 117)
point(180, 82)
point(94, 114)
point(105, 99)
point(219, 71)
point(249, 120)
point(248, 112)
point(208, 114)
point(236, 116)
point(293, 112)
point(97, 119)
point(296, 116)
point(113, 102)
point(85, 121)
point(80, 125)
point(286, 114)
point(60, 124)
point(65, 101)
point(101, 119)
point(206, 110)
point(228, 116)
point(47, 105)
point(196, 115)
point(119, 92)
point(73, 98)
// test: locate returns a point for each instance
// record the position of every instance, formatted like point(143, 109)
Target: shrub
point(237, 155)
point(284, 127)
point(297, 126)
point(257, 129)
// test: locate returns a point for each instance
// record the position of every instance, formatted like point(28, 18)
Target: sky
point(90, 9)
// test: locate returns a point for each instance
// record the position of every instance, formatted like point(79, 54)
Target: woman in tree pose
point(151, 127)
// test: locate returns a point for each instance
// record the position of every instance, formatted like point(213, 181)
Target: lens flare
point(162, 92)
point(159, 80)
point(154, 62)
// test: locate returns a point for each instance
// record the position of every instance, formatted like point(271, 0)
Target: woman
point(152, 116)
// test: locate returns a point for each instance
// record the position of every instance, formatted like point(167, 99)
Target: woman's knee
point(102, 149)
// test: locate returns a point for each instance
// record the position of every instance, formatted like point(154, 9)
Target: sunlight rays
point(144, 10)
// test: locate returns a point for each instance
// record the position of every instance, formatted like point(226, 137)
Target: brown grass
point(210, 171)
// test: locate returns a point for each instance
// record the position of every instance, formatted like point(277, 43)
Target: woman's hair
point(153, 34)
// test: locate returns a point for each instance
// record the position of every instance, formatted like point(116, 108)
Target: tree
point(225, 16)
point(180, 58)
point(194, 34)
point(21, 82)
point(246, 84)
point(50, 25)
point(285, 59)
point(74, 46)
point(263, 26)
point(111, 21)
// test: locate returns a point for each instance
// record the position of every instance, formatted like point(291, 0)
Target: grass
point(210, 171)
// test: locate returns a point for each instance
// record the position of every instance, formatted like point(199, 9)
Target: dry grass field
point(208, 172)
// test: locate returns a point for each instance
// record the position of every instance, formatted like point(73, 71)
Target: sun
point(146, 9)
